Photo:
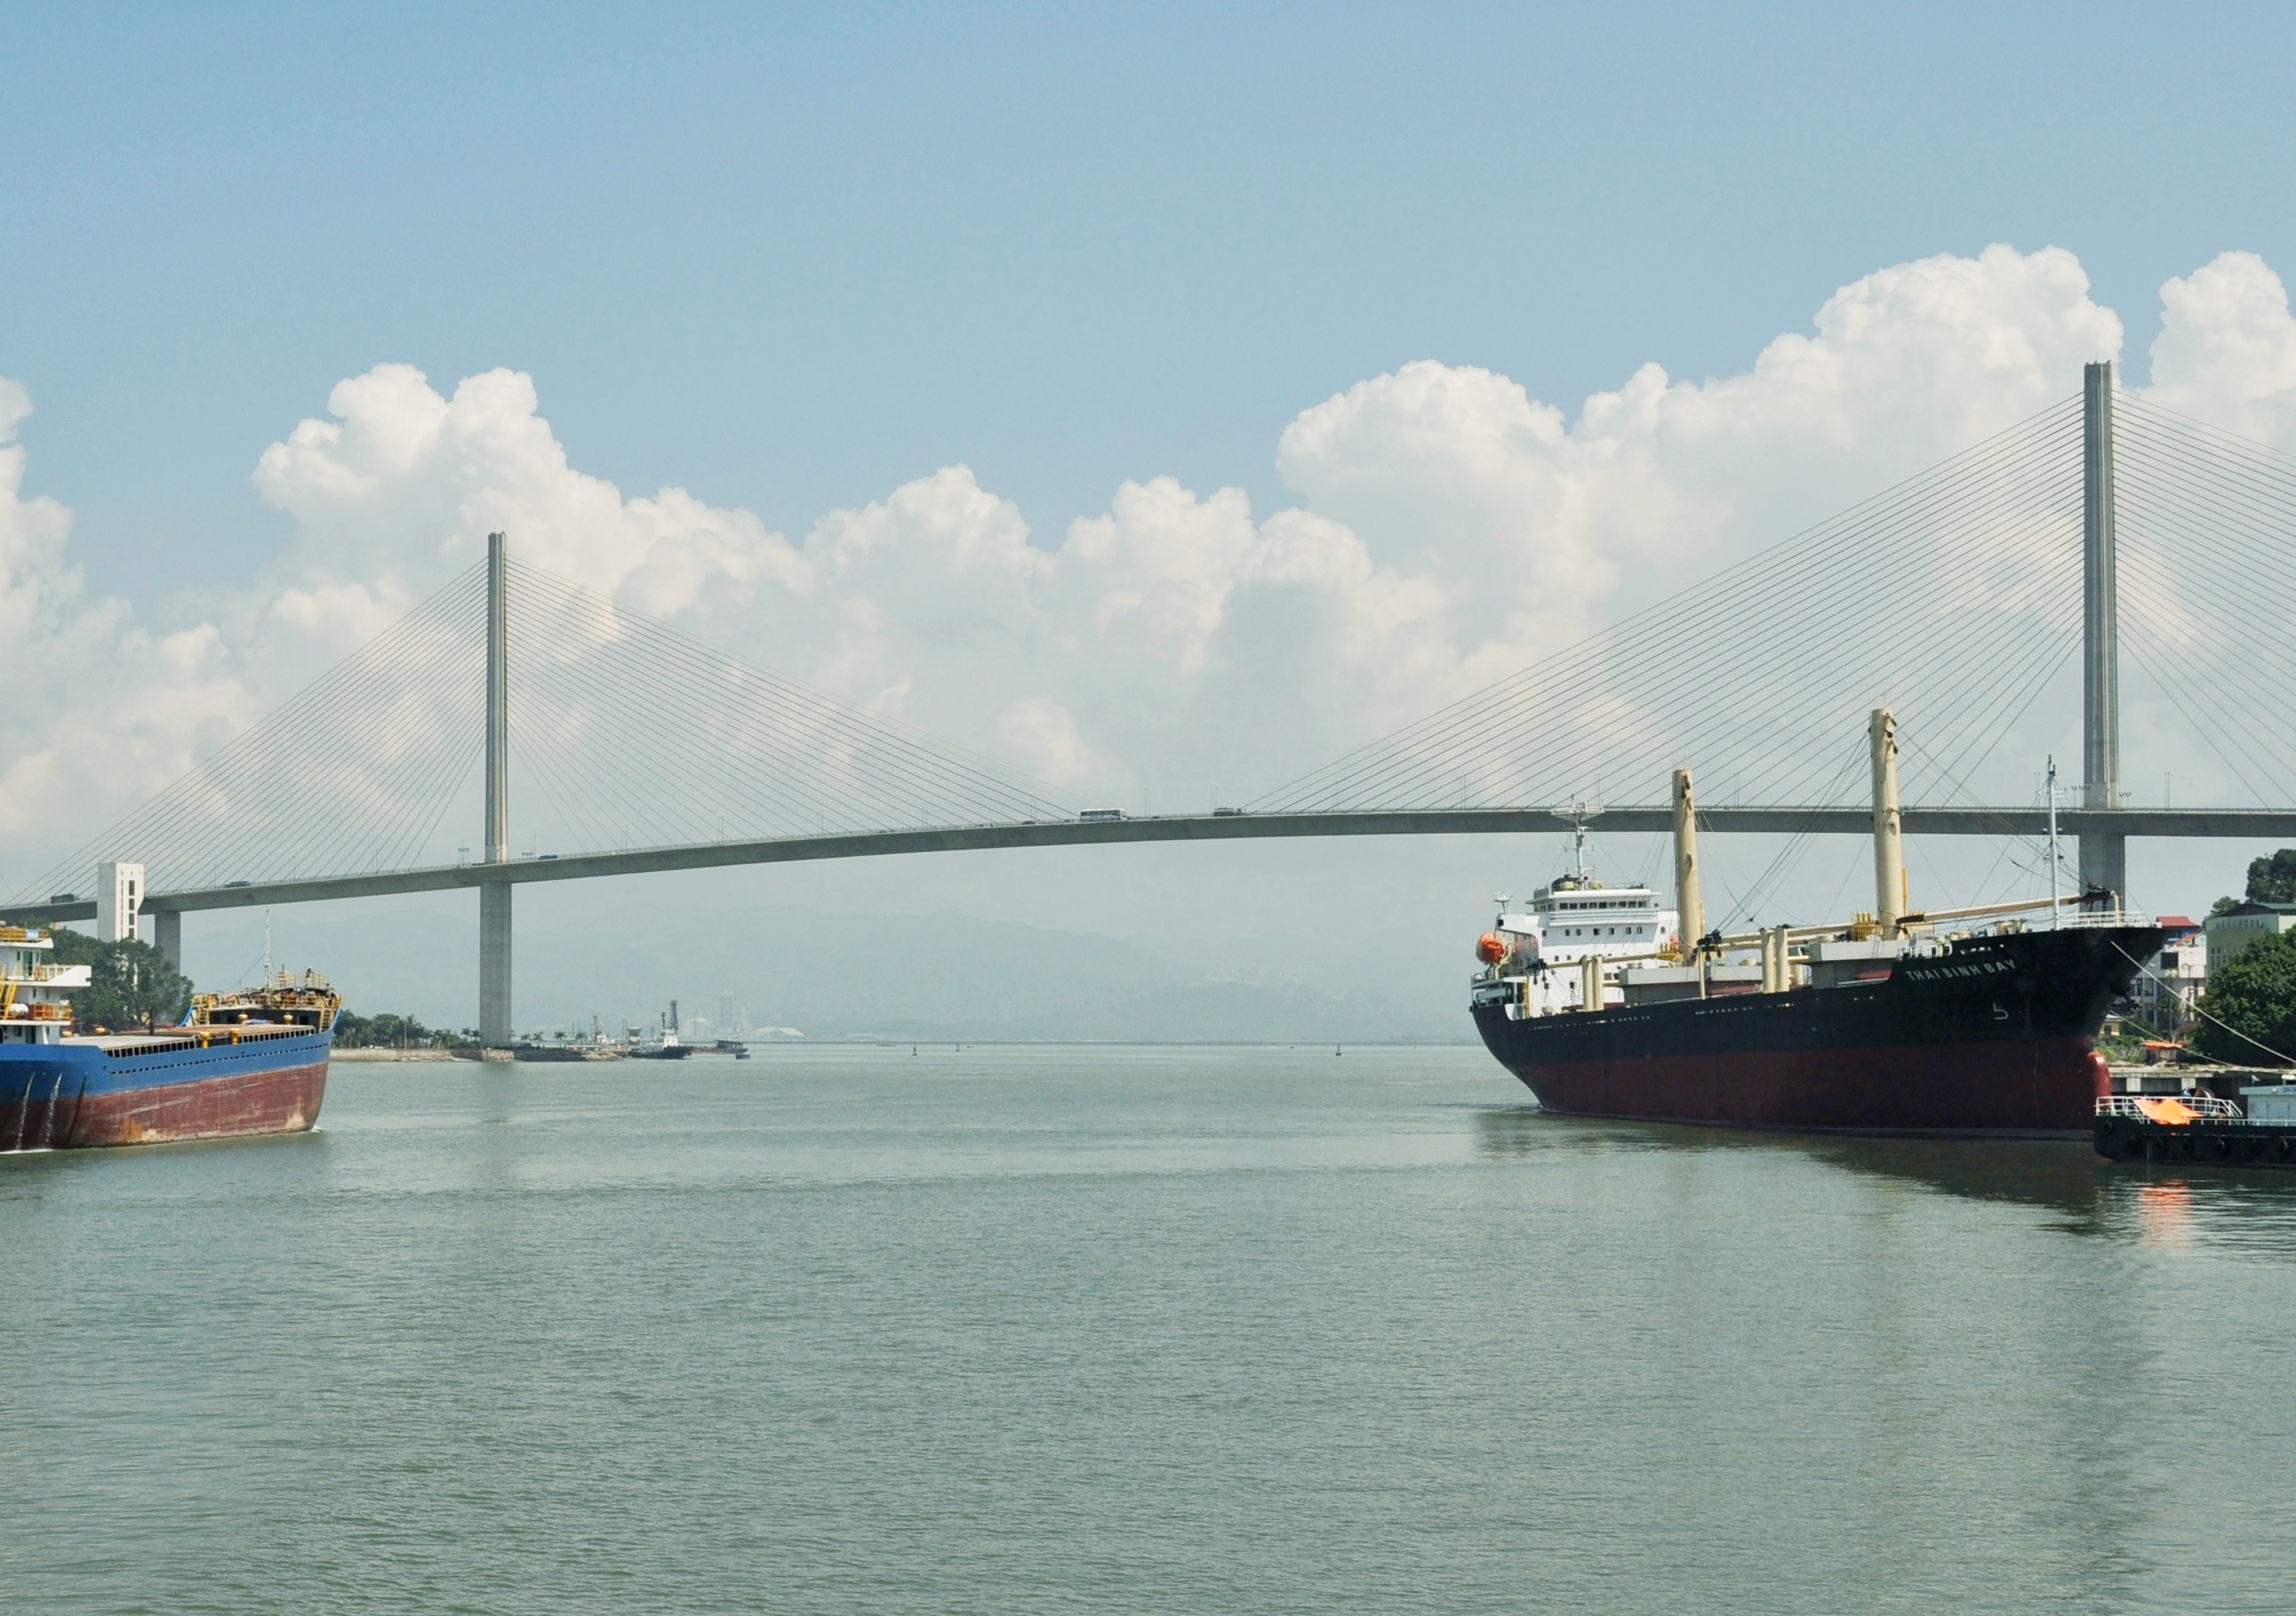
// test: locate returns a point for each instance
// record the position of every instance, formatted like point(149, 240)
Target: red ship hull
point(2039, 1090)
point(285, 1101)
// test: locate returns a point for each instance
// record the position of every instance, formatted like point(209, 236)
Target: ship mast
point(1580, 813)
point(2056, 911)
point(1685, 865)
point(1889, 851)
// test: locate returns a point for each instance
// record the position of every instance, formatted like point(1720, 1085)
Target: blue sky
point(790, 259)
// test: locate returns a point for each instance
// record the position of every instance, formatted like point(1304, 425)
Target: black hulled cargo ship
point(1972, 1022)
point(1989, 1035)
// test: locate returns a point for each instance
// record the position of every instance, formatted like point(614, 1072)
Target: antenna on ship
point(1580, 814)
point(267, 948)
point(2055, 913)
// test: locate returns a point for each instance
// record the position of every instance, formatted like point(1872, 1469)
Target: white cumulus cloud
point(2227, 349)
point(1447, 529)
point(100, 710)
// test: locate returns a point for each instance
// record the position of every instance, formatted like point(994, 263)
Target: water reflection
point(2250, 1211)
point(2165, 1215)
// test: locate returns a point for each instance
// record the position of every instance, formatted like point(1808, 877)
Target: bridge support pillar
point(167, 935)
point(494, 966)
point(2104, 864)
point(494, 897)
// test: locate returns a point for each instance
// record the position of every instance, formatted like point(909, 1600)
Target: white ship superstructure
point(1571, 920)
point(32, 1006)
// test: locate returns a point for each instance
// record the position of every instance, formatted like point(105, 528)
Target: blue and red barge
point(250, 1062)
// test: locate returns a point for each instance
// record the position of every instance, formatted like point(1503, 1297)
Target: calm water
point(1060, 1330)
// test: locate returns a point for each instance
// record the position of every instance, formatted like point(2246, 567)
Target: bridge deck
point(2239, 823)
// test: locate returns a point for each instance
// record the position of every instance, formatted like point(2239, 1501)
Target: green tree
point(2249, 1011)
point(131, 981)
point(387, 1030)
point(2271, 880)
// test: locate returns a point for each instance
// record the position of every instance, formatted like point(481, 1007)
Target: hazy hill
point(940, 976)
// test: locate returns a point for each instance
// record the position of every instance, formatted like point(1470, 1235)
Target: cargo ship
point(247, 1062)
point(1970, 1022)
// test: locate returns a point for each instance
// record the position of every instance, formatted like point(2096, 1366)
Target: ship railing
point(2070, 919)
point(40, 973)
point(2138, 1107)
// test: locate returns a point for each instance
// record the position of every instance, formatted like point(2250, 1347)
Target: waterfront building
point(2242, 924)
point(2172, 980)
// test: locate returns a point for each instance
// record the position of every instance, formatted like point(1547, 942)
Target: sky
point(1042, 342)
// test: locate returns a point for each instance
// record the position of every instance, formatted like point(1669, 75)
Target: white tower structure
point(119, 899)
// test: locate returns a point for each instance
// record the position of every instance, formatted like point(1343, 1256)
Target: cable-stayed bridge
point(1972, 597)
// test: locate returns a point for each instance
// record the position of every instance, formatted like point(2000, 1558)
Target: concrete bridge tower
point(494, 897)
point(2103, 859)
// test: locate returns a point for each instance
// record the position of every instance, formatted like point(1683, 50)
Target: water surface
point(1122, 1329)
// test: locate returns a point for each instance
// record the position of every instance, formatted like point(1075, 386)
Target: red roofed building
point(2164, 993)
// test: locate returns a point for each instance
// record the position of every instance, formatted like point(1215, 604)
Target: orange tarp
point(2175, 1113)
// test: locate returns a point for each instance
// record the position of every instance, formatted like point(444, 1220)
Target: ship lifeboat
point(1490, 947)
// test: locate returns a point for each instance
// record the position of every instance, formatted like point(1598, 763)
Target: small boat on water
point(2199, 1128)
point(666, 1044)
point(564, 1046)
point(247, 1062)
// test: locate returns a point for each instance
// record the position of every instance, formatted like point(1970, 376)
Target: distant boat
point(667, 1045)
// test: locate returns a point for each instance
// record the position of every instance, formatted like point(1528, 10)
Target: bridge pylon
point(494, 897)
point(2104, 862)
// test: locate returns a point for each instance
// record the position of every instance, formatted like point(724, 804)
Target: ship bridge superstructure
point(1575, 916)
point(33, 986)
point(1570, 923)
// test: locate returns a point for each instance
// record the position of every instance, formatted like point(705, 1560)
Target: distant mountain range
point(935, 977)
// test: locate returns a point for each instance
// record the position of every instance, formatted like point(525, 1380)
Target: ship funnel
point(1889, 847)
point(1685, 865)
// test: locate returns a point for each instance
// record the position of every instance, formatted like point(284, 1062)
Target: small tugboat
point(666, 1044)
point(2199, 1128)
point(248, 1062)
